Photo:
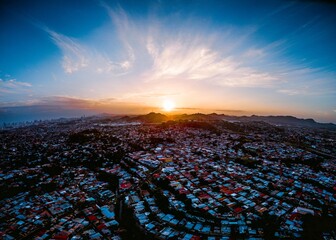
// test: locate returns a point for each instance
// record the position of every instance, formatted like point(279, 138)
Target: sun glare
point(168, 105)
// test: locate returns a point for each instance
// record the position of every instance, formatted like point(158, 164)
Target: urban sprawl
point(101, 178)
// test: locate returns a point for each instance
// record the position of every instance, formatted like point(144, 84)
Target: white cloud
point(13, 84)
point(308, 91)
point(196, 60)
point(148, 53)
point(185, 53)
point(254, 53)
point(293, 92)
point(74, 55)
point(77, 56)
point(166, 54)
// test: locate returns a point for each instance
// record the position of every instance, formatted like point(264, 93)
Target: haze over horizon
point(73, 58)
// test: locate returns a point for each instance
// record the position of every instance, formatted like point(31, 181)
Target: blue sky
point(247, 57)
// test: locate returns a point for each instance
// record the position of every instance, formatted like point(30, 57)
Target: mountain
point(283, 121)
point(196, 117)
point(274, 120)
point(151, 118)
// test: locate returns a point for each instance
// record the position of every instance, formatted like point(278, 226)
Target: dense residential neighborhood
point(131, 178)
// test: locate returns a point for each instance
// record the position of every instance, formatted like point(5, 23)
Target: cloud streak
point(78, 105)
point(156, 53)
point(77, 57)
point(74, 55)
point(13, 86)
point(191, 57)
point(165, 55)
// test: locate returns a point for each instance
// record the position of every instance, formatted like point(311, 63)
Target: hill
point(274, 120)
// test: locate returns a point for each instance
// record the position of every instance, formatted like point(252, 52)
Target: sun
point(168, 105)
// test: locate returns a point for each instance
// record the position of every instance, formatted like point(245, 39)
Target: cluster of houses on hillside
point(172, 182)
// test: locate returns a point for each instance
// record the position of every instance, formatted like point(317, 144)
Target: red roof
point(92, 218)
point(195, 237)
point(187, 175)
point(229, 192)
point(294, 216)
point(101, 226)
point(156, 175)
point(61, 235)
point(238, 210)
point(170, 177)
point(204, 195)
point(183, 190)
point(125, 185)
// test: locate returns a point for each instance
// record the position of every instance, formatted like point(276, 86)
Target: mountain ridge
point(281, 120)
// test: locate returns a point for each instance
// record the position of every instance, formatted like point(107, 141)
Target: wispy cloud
point(86, 105)
point(307, 91)
point(13, 83)
point(293, 92)
point(187, 52)
point(150, 94)
point(153, 53)
point(13, 86)
point(237, 111)
point(77, 56)
point(254, 53)
point(74, 55)
point(193, 58)
point(232, 111)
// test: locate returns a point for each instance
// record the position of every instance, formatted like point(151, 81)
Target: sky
point(77, 57)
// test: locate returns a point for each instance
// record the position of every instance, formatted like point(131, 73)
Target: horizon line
point(163, 112)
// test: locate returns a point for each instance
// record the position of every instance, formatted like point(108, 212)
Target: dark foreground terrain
point(154, 177)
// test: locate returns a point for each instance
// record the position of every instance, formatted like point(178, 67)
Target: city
point(121, 178)
point(167, 119)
